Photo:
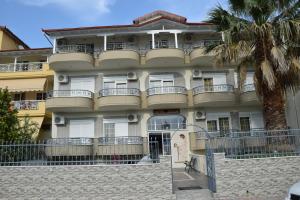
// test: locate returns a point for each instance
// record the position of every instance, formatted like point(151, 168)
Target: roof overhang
point(25, 52)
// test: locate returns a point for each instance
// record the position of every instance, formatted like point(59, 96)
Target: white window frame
point(216, 116)
point(116, 121)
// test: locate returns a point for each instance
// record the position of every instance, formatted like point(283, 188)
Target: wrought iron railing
point(166, 90)
point(213, 88)
point(200, 44)
point(111, 46)
point(121, 140)
point(26, 105)
point(70, 93)
point(119, 92)
point(22, 67)
point(248, 88)
point(257, 144)
point(79, 151)
point(75, 49)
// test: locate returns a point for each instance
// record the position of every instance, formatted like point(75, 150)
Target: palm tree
point(263, 35)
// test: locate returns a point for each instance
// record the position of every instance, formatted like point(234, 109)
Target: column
point(15, 63)
point(105, 42)
point(54, 45)
point(153, 40)
point(176, 40)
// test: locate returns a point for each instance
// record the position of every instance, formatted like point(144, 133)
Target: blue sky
point(26, 18)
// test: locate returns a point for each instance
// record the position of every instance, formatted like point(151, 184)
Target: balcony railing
point(166, 90)
point(248, 88)
point(22, 67)
point(119, 92)
point(111, 46)
point(70, 93)
point(213, 88)
point(75, 49)
point(262, 144)
point(121, 140)
point(26, 105)
point(200, 44)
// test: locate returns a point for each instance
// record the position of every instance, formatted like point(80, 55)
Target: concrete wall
point(293, 110)
point(263, 178)
point(153, 181)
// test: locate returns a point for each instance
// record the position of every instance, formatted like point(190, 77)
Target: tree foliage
point(264, 34)
point(11, 127)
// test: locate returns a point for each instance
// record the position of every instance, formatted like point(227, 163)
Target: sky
point(26, 18)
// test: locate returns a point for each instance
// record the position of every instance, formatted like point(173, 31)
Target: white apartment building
point(149, 79)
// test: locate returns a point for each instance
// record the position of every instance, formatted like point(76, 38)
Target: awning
point(23, 85)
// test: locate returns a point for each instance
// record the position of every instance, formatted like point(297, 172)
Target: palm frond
point(279, 59)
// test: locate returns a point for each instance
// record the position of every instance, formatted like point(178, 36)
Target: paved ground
point(190, 186)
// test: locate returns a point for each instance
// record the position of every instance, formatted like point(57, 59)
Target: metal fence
point(213, 88)
point(257, 144)
point(70, 93)
point(79, 151)
point(119, 92)
point(166, 90)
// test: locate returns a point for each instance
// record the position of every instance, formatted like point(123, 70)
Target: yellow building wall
point(6, 42)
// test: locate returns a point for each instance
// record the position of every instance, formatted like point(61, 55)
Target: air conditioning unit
point(131, 76)
point(200, 115)
point(132, 118)
point(197, 74)
point(59, 120)
point(63, 78)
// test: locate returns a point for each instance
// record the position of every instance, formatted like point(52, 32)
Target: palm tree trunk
point(274, 109)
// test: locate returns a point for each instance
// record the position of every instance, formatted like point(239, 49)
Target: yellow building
point(25, 72)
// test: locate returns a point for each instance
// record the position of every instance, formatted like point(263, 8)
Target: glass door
point(223, 125)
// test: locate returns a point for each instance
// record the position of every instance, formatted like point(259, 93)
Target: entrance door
point(163, 142)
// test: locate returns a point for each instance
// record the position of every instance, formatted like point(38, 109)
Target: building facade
point(25, 73)
point(148, 79)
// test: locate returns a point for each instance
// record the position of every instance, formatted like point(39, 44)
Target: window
point(82, 128)
point(245, 123)
point(109, 129)
point(117, 127)
point(117, 84)
point(224, 125)
point(80, 86)
point(19, 96)
point(41, 96)
point(212, 126)
point(167, 122)
point(162, 83)
point(208, 84)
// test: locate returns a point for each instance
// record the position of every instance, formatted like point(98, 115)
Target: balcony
point(118, 99)
point(72, 58)
point(199, 57)
point(197, 141)
point(248, 95)
point(119, 55)
point(29, 107)
point(103, 146)
point(167, 97)
point(214, 96)
point(164, 57)
point(69, 101)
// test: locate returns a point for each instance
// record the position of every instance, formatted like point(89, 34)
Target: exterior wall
point(6, 43)
point(293, 110)
point(153, 181)
point(258, 178)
